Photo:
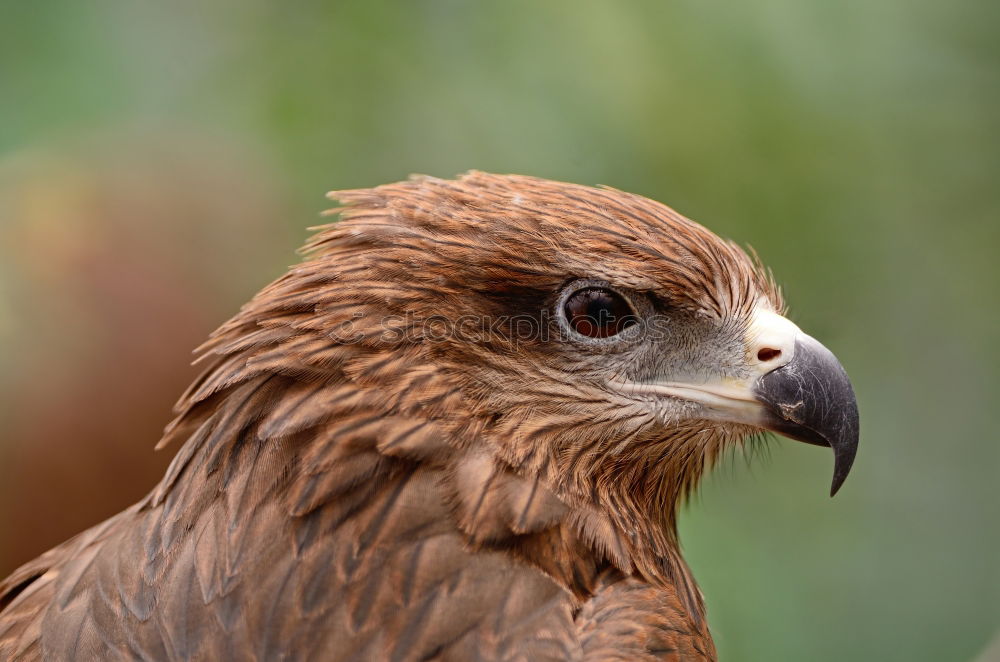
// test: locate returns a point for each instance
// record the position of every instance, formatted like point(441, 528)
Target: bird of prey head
point(492, 370)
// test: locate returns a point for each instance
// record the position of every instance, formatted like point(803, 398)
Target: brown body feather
point(351, 490)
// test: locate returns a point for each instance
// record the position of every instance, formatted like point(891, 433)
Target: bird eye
point(596, 312)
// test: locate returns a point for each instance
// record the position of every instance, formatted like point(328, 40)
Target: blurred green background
point(160, 161)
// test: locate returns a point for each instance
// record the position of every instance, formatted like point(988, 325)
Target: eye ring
point(596, 311)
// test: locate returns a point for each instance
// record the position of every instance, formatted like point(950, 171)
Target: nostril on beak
point(768, 354)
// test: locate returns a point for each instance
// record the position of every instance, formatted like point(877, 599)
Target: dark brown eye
point(596, 312)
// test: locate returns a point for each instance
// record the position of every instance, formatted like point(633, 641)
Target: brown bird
point(459, 430)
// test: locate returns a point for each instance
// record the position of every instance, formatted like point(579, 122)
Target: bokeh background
point(159, 162)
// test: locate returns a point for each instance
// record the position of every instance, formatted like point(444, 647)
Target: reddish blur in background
point(119, 256)
point(159, 163)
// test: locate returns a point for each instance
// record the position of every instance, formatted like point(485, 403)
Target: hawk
point(460, 429)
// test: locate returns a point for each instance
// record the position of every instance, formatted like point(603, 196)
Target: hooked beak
point(796, 387)
point(810, 399)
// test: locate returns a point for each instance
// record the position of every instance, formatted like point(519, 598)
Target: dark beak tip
point(838, 482)
point(844, 451)
point(845, 442)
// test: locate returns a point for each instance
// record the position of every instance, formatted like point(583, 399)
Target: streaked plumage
point(350, 485)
